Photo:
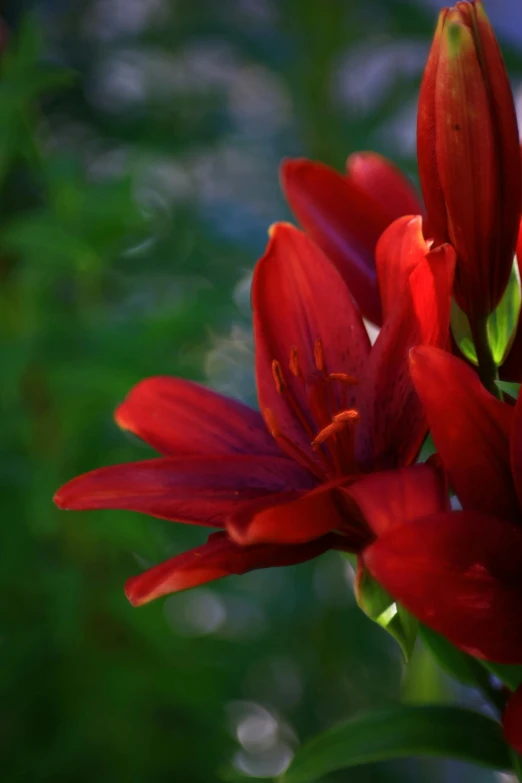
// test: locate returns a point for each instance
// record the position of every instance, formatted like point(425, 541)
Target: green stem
point(487, 368)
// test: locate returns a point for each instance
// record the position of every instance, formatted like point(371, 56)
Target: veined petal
point(176, 416)
point(426, 138)
point(217, 558)
point(297, 517)
point(399, 251)
point(512, 721)
point(471, 430)
point(392, 422)
point(460, 574)
point(507, 140)
point(394, 497)
point(382, 181)
point(343, 220)
point(196, 490)
point(298, 298)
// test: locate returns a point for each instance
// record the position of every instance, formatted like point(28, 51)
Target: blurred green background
point(139, 145)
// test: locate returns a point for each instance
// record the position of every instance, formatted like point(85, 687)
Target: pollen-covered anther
point(327, 432)
point(294, 365)
point(342, 377)
point(278, 377)
point(346, 416)
point(271, 423)
point(319, 355)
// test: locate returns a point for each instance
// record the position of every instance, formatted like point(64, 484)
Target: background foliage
point(139, 143)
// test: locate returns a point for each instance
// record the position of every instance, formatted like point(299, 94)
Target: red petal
point(516, 447)
point(198, 490)
point(426, 128)
point(512, 721)
point(471, 430)
point(298, 297)
point(217, 558)
point(399, 251)
point(295, 519)
point(394, 497)
point(460, 574)
point(385, 183)
point(180, 417)
point(508, 149)
point(344, 221)
point(393, 425)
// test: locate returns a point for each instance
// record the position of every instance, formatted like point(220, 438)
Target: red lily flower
point(459, 572)
point(469, 156)
point(278, 484)
point(346, 215)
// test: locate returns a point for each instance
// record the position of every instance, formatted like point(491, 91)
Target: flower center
point(319, 402)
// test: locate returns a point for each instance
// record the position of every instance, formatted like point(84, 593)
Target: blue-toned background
point(139, 145)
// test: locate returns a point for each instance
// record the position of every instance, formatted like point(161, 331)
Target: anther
point(295, 369)
point(271, 423)
point(331, 429)
point(319, 355)
point(342, 377)
point(278, 377)
point(346, 416)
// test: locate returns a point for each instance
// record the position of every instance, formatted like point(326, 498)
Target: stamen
point(295, 368)
point(327, 432)
point(299, 455)
point(344, 416)
point(278, 377)
point(271, 423)
point(319, 355)
point(342, 377)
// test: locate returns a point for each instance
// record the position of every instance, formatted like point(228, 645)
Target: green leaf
point(513, 389)
point(401, 732)
point(380, 607)
point(510, 675)
point(517, 765)
point(502, 321)
point(460, 666)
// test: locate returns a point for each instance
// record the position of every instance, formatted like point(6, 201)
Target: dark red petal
point(299, 297)
point(394, 497)
point(471, 430)
point(399, 251)
point(176, 416)
point(217, 558)
point(197, 490)
point(516, 447)
point(392, 424)
point(380, 179)
point(296, 518)
point(460, 574)
point(426, 139)
point(512, 721)
point(344, 221)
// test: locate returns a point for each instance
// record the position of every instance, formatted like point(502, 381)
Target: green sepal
point(513, 389)
point(501, 324)
point(380, 607)
point(503, 321)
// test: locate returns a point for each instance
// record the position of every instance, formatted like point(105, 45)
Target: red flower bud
point(468, 152)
